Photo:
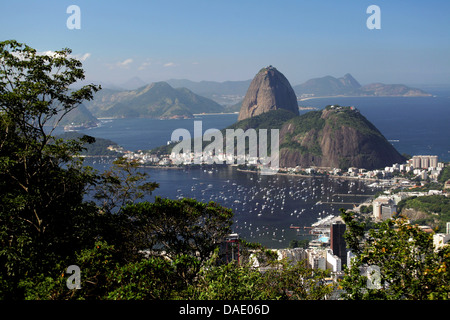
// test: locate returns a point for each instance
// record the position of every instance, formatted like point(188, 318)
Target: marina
point(270, 210)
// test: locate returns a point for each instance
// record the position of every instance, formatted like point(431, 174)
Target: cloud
point(49, 53)
point(124, 63)
point(169, 64)
point(144, 66)
point(120, 64)
point(84, 57)
point(79, 56)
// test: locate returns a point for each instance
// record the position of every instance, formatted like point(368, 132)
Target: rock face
point(269, 90)
point(338, 137)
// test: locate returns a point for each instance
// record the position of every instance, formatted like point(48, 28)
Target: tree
point(122, 184)
point(404, 259)
point(445, 174)
point(42, 213)
point(176, 227)
point(283, 280)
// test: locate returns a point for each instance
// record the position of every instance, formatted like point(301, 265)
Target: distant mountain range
point(133, 84)
point(156, 100)
point(233, 92)
point(225, 93)
point(181, 98)
point(349, 86)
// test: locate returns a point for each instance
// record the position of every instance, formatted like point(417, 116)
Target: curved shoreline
point(314, 176)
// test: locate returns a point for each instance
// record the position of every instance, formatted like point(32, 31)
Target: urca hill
point(339, 137)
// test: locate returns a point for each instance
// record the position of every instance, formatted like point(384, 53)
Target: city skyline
point(220, 41)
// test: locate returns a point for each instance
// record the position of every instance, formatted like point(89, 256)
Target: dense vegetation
point(269, 120)
point(97, 148)
point(445, 174)
point(401, 260)
point(352, 118)
point(325, 137)
point(309, 123)
point(435, 207)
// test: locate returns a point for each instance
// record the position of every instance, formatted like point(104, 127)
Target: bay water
point(268, 208)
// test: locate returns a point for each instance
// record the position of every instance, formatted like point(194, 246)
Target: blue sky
point(231, 40)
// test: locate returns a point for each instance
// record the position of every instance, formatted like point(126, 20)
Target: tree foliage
point(445, 174)
point(409, 267)
point(174, 227)
point(436, 208)
point(282, 280)
point(122, 184)
point(42, 212)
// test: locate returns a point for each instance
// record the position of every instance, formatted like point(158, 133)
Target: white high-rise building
point(433, 161)
point(424, 162)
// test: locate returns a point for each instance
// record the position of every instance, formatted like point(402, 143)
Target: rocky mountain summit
point(336, 136)
point(269, 90)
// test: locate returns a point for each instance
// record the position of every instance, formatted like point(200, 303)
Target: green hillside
point(270, 120)
point(157, 100)
point(339, 137)
point(98, 148)
point(79, 115)
point(434, 209)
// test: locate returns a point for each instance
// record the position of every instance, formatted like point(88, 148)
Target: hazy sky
point(231, 40)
